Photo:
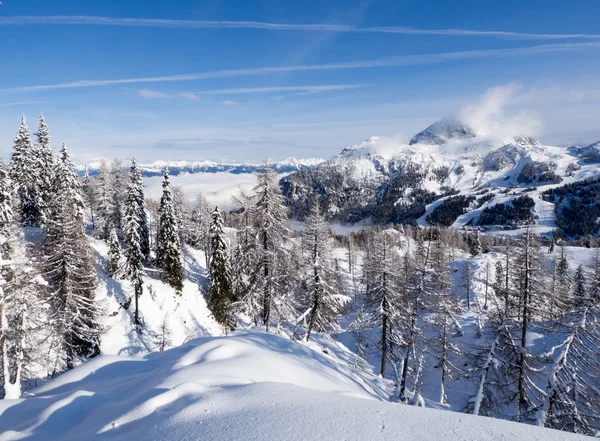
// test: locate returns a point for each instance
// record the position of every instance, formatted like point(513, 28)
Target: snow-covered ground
point(248, 385)
point(181, 317)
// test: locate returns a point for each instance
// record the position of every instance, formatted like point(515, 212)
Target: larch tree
point(69, 271)
point(221, 295)
point(383, 295)
point(325, 301)
point(168, 244)
point(265, 298)
point(572, 399)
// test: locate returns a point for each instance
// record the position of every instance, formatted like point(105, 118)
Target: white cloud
point(315, 27)
point(229, 103)
point(488, 116)
point(190, 96)
point(406, 60)
point(147, 93)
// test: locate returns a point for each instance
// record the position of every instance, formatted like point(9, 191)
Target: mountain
point(382, 180)
point(440, 132)
point(156, 168)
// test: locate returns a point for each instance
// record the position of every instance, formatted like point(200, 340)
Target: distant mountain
point(177, 167)
point(440, 132)
point(383, 180)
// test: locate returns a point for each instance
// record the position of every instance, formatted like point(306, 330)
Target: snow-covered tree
point(383, 295)
point(562, 285)
point(168, 245)
point(325, 301)
point(466, 282)
point(572, 400)
point(136, 235)
point(104, 200)
point(221, 294)
point(530, 269)
point(580, 296)
point(23, 170)
point(113, 260)
point(265, 299)
point(44, 168)
point(69, 271)
point(118, 195)
point(89, 196)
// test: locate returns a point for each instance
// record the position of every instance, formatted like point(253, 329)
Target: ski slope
point(248, 385)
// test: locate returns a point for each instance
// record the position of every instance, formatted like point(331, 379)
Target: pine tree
point(114, 254)
point(324, 298)
point(23, 175)
point(45, 168)
point(69, 271)
point(168, 245)
point(221, 295)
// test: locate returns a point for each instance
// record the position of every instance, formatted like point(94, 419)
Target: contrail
point(317, 27)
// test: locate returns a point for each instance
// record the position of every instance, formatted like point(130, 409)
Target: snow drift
point(248, 385)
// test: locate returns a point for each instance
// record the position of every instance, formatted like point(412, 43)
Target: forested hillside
point(501, 326)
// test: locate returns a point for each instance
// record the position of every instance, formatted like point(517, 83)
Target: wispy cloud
point(249, 90)
point(229, 103)
point(24, 103)
point(147, 93)
point(300, 90)
point(189, 95)
point(315, 27)
point(399, 61)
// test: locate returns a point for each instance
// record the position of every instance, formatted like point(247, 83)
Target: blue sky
point(243, 80)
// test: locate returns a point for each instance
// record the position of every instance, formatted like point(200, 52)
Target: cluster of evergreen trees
point(410, 286)
point(49, 317)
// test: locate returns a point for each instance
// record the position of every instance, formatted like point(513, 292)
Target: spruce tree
point(133, 255)
point(69, 271)
point(88, 192)
point(114, 254)
point(45, 168)
point(23, 171)
point(168, 245)
point(221, 294)
point(104, 200)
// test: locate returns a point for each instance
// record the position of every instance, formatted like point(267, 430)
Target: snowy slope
point(183, 317)
point(249, 385)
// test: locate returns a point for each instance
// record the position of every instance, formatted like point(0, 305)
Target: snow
point(186, 316)
point(248, 385)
